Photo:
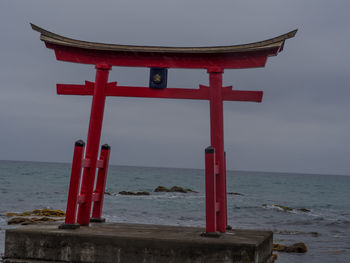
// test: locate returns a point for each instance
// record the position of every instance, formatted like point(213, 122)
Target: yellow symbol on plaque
point(157, 78)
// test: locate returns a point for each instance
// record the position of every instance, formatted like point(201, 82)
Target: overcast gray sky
point(302, 125)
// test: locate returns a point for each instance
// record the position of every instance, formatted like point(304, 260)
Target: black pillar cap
point(80, 143)
point(105, 147)
point(210, 149)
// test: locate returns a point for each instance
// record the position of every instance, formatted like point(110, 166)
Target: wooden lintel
point(169, 93)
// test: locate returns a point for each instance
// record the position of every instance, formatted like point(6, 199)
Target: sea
point(325, 229)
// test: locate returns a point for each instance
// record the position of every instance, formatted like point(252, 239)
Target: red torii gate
point(104, 56)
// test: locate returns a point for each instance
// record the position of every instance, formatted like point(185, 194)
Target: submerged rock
point(134, 193)
point(40, 212)
point(286, 232)
point(295, 248)
point(234, 193)
point(284, 208)
point(304, 210)
point(175, 188)
point(288, 209)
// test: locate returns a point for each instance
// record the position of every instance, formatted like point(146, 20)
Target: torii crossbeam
point(104, 56)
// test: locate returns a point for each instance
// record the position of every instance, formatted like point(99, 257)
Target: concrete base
point(126, 243)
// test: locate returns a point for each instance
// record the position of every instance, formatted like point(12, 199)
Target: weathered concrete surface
point(134, 243)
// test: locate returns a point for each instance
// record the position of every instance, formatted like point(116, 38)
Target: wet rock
point(284, 208)
point(286, 232)
point(289, 209)
point(134, 193)
point(295, 248)
point(178, 189)
point(314, 234)
point(40, 212)
point(175, 188)
point(161, 189)
point(304, 210)
point(30, 220)
point(234, 193)
point(191, 191)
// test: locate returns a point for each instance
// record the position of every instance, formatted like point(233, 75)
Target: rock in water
point(284, 208)
point(234, 193)
point(295, 248)
point(161, 189)
point(178, 189)
point(175, 188)
point(304, 210)
point(143, 193)
point(133, 193)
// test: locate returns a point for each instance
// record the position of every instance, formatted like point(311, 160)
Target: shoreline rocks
point(31, 220)
point(37, 216)
point(40, 212)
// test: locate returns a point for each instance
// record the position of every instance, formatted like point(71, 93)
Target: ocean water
point(325, 229)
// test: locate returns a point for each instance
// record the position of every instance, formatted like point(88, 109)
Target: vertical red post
point(74, 185)
point(101, 185)
point(93, 141)
point(217, 141)
point(210, 190)
point(227, 226)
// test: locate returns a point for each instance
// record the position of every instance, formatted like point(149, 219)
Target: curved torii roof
point(220, 56)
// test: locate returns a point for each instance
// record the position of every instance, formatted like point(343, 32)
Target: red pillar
point(93, 141)
point(74, 184)
point(101, 185)
point(217, 141)
point(210, 190)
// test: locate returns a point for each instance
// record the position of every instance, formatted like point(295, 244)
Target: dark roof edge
point(276, 42)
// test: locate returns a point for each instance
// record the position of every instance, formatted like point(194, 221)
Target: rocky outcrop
point(177, 189)
point(161, 189)
point(30, 220)
point(40, 212)
point(134, 193)
point(295, 248)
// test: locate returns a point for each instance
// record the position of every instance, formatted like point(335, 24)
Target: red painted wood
point(210, 189)
point(241, 95)
point(164, 60)
point(169, 93)
point(216, 199)
point(217, 142)
point(101, 182)
point(74, 184)
point(93, 141)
